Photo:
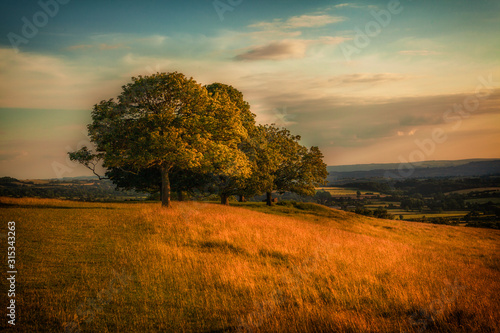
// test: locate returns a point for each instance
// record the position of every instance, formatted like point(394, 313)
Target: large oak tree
point(163, 121)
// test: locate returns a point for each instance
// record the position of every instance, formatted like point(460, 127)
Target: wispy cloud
point(101, 46)
point(79, 47)
point(410, 133)
point(285, 49)
point(298, 22)
point(419, 52)
point(353, 5)
point(369, 78)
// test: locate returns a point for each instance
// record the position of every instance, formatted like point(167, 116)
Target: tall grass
point(208, 268)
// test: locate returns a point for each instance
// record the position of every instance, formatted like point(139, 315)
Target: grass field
point(198, 267)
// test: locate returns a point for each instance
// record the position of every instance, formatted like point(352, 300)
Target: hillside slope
point(207, 268)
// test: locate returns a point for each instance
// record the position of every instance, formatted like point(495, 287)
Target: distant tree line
point(75, 190)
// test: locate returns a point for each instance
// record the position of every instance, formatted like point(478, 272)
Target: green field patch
point(484, 200)
point(345, 191)
point(479, 189)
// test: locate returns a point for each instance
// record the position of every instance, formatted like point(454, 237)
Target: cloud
point(298, 22)
point(286, 49)
point(79, 47)
point(7, 156)
point(412, 120)
point(329, 40)
point(311, 21)
point(352, 5)
point(269, 35)
point(369, 78)
point(324, 113)
point(101, 46)
point(41, 81)
point(104, 46)
point(280, 50)
point(155, 39)
point(418, 52)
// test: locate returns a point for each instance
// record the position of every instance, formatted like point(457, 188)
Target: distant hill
point(427, 169)
point(393, 166)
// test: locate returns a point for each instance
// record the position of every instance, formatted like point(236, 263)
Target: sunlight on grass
point(207, 268)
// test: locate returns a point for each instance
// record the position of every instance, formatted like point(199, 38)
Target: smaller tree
point(284, 165)
point(231, 98)
point(323, 197)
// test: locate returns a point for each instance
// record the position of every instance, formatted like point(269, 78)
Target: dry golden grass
point(207, 268)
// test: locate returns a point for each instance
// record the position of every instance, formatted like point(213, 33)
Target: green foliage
point(236, 97)
point(233, 183)
point(165, 121)
point(167, 129)
point(323, 197)
point(285, 165)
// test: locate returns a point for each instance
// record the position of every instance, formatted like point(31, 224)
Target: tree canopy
point(167, 131)
point(162, 121)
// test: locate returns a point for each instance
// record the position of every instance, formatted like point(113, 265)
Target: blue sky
point(366, 81)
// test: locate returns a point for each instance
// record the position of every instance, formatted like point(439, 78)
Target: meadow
point(202, 267)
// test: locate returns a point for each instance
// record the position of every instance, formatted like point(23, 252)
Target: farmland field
point(342, 191)
point(484, 200)
point(479, 189)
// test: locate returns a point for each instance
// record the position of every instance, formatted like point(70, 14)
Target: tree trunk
point(269, 198)
point(161, 192)
point(180, 195)
point(165, 187)
point(242, 198)
point(224, 199)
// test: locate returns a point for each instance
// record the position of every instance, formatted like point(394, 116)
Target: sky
point(366, 81)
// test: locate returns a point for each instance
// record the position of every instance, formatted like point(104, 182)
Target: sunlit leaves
point(166, 120)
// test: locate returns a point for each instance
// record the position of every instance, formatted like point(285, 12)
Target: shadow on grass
point(8, 205)
point(222, 246)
